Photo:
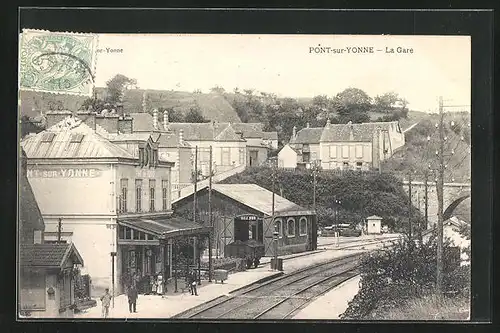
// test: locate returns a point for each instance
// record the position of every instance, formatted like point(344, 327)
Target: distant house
point(451, 231)
point(288, 157)
point(46, 279)
point(348, 146)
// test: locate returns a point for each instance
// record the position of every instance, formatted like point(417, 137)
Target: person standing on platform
point(159, 284)
point(132, 298)
point(106, 301)
point(192, 283)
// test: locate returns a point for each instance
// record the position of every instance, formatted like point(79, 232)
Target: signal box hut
point(251, 205)
point(374, 224)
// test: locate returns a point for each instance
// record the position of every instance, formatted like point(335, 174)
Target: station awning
point(164, 228)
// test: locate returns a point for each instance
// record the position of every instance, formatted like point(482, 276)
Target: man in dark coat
point(132, 297)
point(192, 283)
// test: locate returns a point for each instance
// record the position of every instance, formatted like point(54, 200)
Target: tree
point(217, 90)
point(386, 103)
point(194, 116)
point(116, 87)
point(353, 96)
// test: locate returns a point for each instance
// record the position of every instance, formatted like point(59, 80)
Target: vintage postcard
point(261, 177)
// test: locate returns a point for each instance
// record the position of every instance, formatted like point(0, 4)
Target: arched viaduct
point(453, 195)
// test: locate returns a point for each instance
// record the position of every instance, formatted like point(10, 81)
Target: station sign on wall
point(60, 172)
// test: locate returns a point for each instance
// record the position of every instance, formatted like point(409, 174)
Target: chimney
point(119, 109)
point(165, 120)
point(125, 124)
point(155, 119)
point(327, 123)
point(351, 132)
point(294, 131)
point(53, 117)
point(307, 125)
point(181, 136)
point(88, 118)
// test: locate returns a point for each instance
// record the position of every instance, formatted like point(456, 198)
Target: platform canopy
point(164, 228)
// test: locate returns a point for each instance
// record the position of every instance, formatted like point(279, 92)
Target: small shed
point(374, 224)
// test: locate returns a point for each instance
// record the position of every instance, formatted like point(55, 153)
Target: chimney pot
point(181, 136)
point(155, 119)
point(165, 120)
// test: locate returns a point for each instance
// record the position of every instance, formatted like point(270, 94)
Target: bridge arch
point(451, 207)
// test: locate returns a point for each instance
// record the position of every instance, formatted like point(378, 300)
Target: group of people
point(157, 284)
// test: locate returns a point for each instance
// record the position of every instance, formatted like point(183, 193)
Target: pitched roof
point(164, 227)
point(270, 135)
point(374, 217)
point(249, 130)
point(171, 140)
point(71, 138)
point(228, 134)
point(142, 122)
point(48, 255)
point(203, 131)
point(342, 132)
point(259, 198)
point(309, 135)
point(361, 132)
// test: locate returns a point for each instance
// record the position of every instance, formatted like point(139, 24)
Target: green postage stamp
point(57, 62)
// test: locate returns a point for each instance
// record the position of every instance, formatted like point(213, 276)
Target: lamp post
point(275, 240)
point(113, 255)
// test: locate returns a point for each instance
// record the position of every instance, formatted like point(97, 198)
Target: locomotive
point(248, 240)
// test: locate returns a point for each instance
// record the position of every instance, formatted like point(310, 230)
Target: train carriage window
point(303, 226)
point(290, 226)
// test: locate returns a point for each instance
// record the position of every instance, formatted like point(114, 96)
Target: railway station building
point(113, 202)
point(234, 203)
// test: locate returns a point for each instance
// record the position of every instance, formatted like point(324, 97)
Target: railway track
point(282, 297)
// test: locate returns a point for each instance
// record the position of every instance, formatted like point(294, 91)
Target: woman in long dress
point(159, 284)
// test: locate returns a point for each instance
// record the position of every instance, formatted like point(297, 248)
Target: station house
point(113, 203)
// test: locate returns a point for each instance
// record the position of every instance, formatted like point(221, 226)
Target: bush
point(400, 273)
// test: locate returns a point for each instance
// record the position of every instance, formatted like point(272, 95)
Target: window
point(306, 157)
point(138, 195)
point(242, 155)
point(303, 226)
point(226, 156)
point(164, 194)
point(37, 236)
point(122, 206)
point(152, 190)
point(345, 151)
point(76, 138)
point(359, 165)
point(359, 151)
point(141, 156)
point(278, 226)
point(290, 227)
point(333, 151)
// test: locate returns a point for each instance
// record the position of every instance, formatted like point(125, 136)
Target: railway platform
point(153, 306)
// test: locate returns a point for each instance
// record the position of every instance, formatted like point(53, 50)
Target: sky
point(286, 65)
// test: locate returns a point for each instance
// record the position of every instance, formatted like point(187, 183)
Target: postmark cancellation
point(57, 62)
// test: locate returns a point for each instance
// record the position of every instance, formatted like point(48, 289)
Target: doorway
point(254, 155)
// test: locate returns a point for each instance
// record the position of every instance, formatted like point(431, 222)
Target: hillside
point(418, 153)
point(362, 195)
point(212, 106)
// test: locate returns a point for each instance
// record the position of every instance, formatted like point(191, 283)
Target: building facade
point(348, 146)
point(112, 202)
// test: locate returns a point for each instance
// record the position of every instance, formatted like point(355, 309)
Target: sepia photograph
point(244, 176)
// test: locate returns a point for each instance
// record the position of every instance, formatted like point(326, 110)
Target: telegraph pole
point(210, 219)
point(426, 202)
point(276, 232)
point(409, 208)
point(195, 181)
point(439, 189)
point(59, 228)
